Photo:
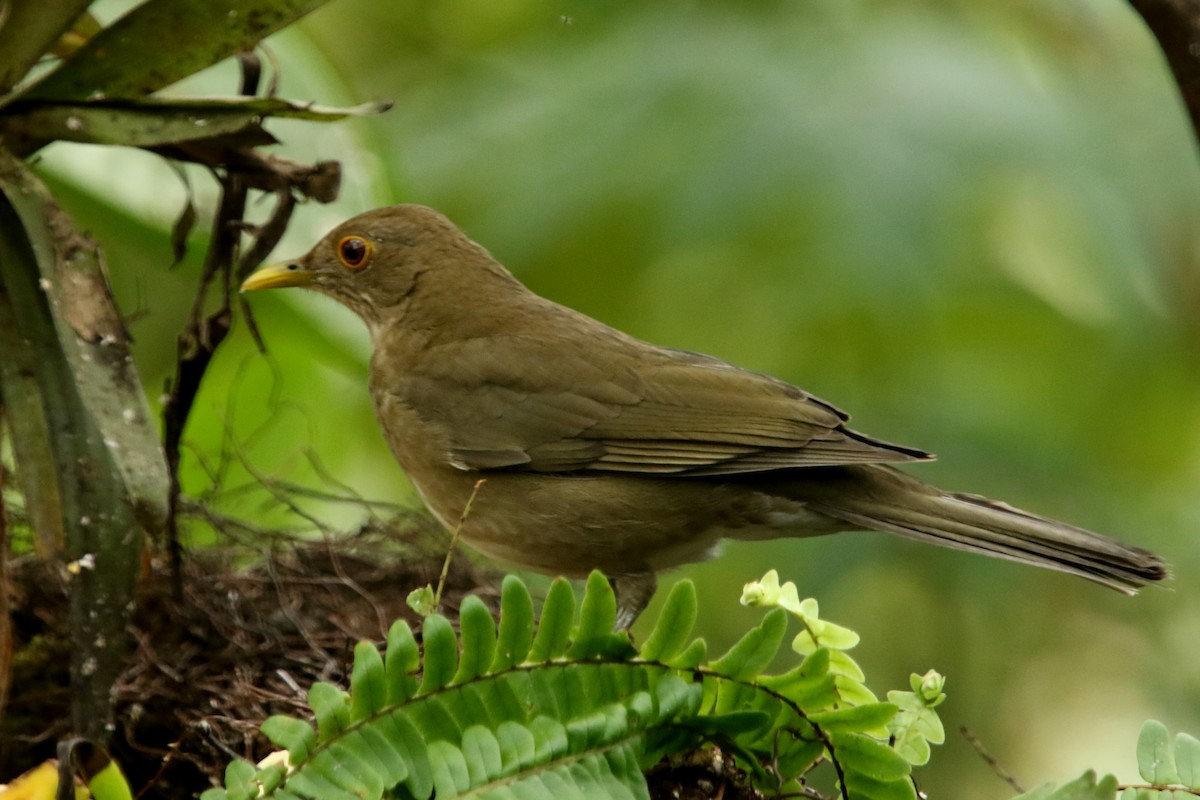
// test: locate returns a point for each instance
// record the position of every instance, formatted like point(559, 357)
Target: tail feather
point(893, 501)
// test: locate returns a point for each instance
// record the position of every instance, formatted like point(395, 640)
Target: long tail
point(885, 499)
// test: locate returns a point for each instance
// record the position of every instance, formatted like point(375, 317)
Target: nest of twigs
point(237, 640)
point(240, 638)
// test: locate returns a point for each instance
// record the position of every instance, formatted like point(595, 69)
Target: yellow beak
point(274, 276)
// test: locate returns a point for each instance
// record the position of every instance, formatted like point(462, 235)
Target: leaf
point(863, 719)
point(691, 657)
point(158, 123)
point(293, 735)
point(1187, 760)
point(401, 662)
point(30, 30)
point(477, 632)
point(368, 684)
point(674, 624)
point(516, 625)
point(1156, 763)
point(597, 617)
point(864, 755)
point(1085, 787)
point(554, 628)
point(755, 650)
point(149, 48)
point(441, 653)
point(915, 726)
point(331, 706)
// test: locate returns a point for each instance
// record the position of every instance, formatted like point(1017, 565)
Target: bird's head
point(375, 261)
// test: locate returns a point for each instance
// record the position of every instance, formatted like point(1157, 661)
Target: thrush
point(602, 451)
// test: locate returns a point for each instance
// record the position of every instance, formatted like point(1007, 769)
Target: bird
point(597, 450)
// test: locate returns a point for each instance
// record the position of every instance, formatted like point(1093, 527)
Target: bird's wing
point(648, 411)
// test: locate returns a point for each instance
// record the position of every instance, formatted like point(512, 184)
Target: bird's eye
point(354, 252)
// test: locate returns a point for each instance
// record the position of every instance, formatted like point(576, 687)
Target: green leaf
point(477, 631)
point(554, 628)
point(1156, 762)
point(413, 744)
point(597, 617)
point(915, 726)
point(31, 29)
point(293, 735)
point(401, 662)
point(441, 653)
point(331, 706)
point(754, 651)
point(151, 123)
point(149, 48)
point(866, 787)
point(810, 685)
point(1085, 787)
point(862, 754)
point(674, 624)
point(239, 776)
point(422, 600)
point(516, 625)
point(1187, 760)
point(868, 719)
point(692, 656)
point(368, 683)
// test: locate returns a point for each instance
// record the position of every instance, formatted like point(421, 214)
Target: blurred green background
point(972, 224)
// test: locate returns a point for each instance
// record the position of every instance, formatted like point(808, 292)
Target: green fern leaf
point(331, 706)
point(1085, 787)
point(1155, 756)
point(386, 755)
point(1187, 760)
point(293, 735)
point(597, 617)
point(554, 628)
point(477, 631)
point(239, 780)
point(866, 787)
point(692, 656)
point(399, 728)
point(450, 773)
point(754, 651)
point(810, 685)
point(871, 719)
point(312, 782)
point(350, 764)
point(518, 749)
point(401, 662)
point(441, 653)
point(485, 762)
point(869, 757)
point(368, 682)
point(674, 624)
point(516, 625)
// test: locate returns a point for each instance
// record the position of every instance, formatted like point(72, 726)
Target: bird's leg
point(633, 595)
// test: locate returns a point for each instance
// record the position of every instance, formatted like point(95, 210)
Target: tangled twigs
point(238, 170)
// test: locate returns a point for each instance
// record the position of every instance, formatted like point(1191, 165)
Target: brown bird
point(604, 451)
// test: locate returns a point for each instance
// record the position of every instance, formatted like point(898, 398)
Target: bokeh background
point(972, 224)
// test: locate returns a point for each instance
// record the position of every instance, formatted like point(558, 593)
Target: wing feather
point(657, 411)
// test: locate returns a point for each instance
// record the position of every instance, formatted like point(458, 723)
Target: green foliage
point(1170, 768)
point(576, 710)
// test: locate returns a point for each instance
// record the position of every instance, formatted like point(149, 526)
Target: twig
point(437, 595)
point(991, 761)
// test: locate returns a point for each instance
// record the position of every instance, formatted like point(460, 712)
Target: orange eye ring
point(354, 252)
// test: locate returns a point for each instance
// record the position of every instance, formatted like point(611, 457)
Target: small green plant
point(571, 708)
point(1170, 769)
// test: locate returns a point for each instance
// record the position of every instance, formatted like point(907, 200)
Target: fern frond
point(573, 710)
